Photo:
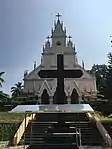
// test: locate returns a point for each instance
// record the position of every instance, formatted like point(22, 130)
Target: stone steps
point(54, 133)
point(53, 146)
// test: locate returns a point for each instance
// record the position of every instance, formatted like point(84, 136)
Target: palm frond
point(1, 73)
point(1, 79)
point(17, 89)
point(13, 88)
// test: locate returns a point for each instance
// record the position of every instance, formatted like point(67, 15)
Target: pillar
point(39, 100)
point(51, 99)
point(80, 99)
point(68, 99)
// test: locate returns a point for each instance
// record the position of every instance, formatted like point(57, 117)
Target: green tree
point(1, 78)
point(17, 90)
point(100, 74)
point(4, 95)
point(108, 80)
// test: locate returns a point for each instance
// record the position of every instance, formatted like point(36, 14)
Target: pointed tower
point(58, 34)
point(57, 45)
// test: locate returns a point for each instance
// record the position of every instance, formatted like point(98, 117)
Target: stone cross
point(60, 74)
point(48, 37)
point(69, 37)
point(58, 16)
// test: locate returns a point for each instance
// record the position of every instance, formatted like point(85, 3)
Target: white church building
point(75, 89)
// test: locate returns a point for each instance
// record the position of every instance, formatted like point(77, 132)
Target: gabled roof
point(35, 71)
point(58, 31)
point(88, 74)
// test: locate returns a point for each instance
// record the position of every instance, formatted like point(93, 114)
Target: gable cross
point(69, 37)
point(48, 37)
point(58, 16)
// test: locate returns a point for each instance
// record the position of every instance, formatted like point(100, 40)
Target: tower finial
point(69, 37)
point(58, 16)
point(48, 37)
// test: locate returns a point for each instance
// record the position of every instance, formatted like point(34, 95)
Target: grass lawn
point(102, 117)
point(6, 117)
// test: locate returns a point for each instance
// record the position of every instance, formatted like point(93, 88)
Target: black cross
point(58, 15)
point(48, 37)
point(69, 37)
point(60, 74)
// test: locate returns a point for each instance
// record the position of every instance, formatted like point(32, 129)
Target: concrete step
point(46, 128)
point(53, 146)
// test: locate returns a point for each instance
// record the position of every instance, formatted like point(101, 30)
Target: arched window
point(45, 97)
point(74, 97)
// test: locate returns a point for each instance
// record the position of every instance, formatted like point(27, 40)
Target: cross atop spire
point(48, 37)
point(58, 16)
point(69, 37)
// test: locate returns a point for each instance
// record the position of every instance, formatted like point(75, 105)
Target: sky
point(25, 24)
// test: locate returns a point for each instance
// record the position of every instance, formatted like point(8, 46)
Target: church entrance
point(74, 97)
point(45, 97)
point(55, 98)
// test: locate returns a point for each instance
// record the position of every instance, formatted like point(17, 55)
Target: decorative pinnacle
point(58, 16)
point(83, 64)
point(111, 40)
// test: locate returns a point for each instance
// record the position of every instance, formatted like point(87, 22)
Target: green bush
point(7, 131)
point(105, 107)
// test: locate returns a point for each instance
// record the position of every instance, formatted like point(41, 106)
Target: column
point(68, 99)
point(80, 99)
point(51, 99)
point(39, 100)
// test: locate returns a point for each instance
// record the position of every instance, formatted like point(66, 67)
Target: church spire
point(58, 27)
point(58, 16)
point(58, 34)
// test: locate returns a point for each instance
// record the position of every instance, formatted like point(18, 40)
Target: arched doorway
point(45, 97)
point(64, 101)
point(74, 97)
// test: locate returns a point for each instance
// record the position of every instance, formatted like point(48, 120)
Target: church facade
point(45, 89)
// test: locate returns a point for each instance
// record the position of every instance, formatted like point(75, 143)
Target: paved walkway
point(3, 145)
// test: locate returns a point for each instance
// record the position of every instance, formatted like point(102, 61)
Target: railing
point(90, 117)
point(78, 138)
point(101, 129)
point(22, 128)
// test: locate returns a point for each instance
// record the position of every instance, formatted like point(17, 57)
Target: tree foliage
point(17, 90)
point(100, 74)
point(103, 74)
point(4, 96)
point(1, 78)
point(108, 79)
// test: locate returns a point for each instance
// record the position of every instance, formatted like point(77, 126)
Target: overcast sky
point(25, 24)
